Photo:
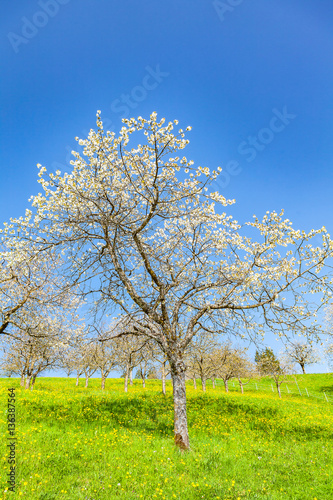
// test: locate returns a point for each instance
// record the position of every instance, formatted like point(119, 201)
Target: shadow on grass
point(327, 388)
point(153, 414)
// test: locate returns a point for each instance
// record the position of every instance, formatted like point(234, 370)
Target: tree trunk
point(103, 380)
point(126, 379)
point(143, 382)
point(87, 381)
point(32, 382)
point(203, 384)
point(27, 381)
point(213, 382)
point(278, 389)
point(163, 379)
point(194, 383)
point(22, 380)
point(179, 402)
point(302, 366)
point(226, 385)
point(131, 376)
point(241, 386)
point(77, 380)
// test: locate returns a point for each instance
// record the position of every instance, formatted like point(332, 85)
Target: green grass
point(92, 445)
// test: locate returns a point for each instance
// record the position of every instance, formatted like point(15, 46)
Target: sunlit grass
point(76, 443)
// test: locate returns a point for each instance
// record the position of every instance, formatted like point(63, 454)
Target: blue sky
point(253, 78)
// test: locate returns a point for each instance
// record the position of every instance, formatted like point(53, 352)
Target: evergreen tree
point(265, 360)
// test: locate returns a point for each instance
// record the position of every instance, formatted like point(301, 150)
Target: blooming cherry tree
point(145, 233)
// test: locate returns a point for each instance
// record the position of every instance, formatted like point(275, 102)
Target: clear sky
point(253, 78)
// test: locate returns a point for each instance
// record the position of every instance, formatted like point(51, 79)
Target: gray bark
point(77, 380)
point(126, 379)
point(194, 383)
point(27, 381)
point(278, 389)
point(33, 379)
point(163, 379)
point(203, 384)
point(179, 401)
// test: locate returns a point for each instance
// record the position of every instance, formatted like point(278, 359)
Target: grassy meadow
point(75, 443)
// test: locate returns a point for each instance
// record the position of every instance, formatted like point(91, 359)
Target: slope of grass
point(76, 443)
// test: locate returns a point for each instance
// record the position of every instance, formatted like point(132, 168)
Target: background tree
point(129, 353)
point(199, 361)
point(160, 359)
point(265, 360)
point(302, 353)
point(31, 355)
point(278, 369)
point(31, 286)
point(145, 363)
point(226, 359)
point(245, 370)
point(106, 354)
point(106, 359)
point(88, 362)
point(143, 230)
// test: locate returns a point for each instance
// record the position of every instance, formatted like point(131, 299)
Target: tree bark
point(87, 381)
point(303, 368)
point(77, 380)
point(27, 381)
point(203, 384)
point(103, 380)
point(194, 383)
point(278, 389)
point(22, 380)
point(163, 379)
point(32, 384)
point(143, 382)
point(226, 385)
point(179, 401)
point(126, 379)
point(213, 382)
point(131, 376)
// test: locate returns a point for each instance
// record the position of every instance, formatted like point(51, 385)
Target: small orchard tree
point(129, 353)
point(160, 359)
point(145, 364)
point(302, 353)
point(31, 356)
point(278, 369)
point(199, 359)
point(106, 359)
point(106, 354)
point(245, 370)
point(72, 360)
point(147, 236)
point(227, 362)
point(89, 362)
